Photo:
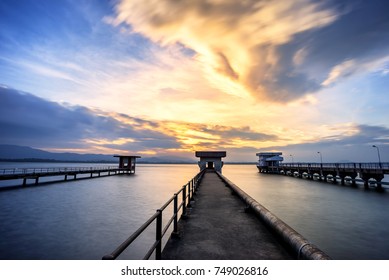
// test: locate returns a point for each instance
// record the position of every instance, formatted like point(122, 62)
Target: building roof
point(269, 154)
point(125, 156)
point(211, 154)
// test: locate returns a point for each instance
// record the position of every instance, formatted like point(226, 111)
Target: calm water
point(86, 219)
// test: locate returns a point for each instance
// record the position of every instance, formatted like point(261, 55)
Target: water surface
point(86, 219)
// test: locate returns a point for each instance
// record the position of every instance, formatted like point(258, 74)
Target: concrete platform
point(218, 228)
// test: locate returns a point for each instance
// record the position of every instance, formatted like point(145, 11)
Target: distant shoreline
point(51, 160)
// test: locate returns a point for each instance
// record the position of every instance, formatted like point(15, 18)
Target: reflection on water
point(344, 221)
point(87, 219)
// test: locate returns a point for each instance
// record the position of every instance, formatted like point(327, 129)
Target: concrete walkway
point(218, 228)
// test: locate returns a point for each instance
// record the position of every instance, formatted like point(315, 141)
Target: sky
point(168, 77)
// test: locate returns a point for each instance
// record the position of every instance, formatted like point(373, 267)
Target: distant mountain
point(13, 152)
point(24, 153)
point(165, 159)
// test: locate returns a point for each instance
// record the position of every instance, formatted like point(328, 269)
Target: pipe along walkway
point(219, 227)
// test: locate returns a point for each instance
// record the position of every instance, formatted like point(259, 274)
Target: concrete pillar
point(378, 178)
point(218, 165)
point(353, 181)
point(365, 177)
point(379, 185)
point(202, 165)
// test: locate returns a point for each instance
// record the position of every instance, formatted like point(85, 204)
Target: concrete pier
point(127, 165)
point(270, 162)
point(218, 227)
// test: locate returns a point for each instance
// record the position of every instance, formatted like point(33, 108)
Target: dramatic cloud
point(267, 47)
point(29, 120)
point(172, 77)
point(235, 39)
point(32, 121)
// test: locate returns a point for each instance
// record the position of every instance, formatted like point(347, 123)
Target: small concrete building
point(127, 162)
point(211, 160)
point(268, 159)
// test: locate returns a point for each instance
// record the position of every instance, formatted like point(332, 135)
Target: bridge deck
point(36, 173)
point(219, 228)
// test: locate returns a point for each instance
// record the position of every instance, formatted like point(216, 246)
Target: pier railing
point(40, 170)
point(355, 166)
point(186, 192)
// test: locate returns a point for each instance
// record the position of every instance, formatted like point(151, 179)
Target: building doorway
point(210, 164)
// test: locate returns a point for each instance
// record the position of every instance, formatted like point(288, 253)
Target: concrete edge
point(300, 245)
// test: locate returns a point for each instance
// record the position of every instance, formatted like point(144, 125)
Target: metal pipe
point(166, 228)
point(301, 246)
point(150, 251)
point(129, 240)
point(167, 203)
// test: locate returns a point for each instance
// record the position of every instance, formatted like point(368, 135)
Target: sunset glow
point(169, 77)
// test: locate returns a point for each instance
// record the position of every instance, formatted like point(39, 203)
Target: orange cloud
point(234, 40)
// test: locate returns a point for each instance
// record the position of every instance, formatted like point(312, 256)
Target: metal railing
point(357, 166)
point(187, 192)
point(40, 170)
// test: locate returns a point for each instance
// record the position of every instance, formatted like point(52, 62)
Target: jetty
point(127, 165)
point(214, 219)
point(220, 227)
point(271, 162)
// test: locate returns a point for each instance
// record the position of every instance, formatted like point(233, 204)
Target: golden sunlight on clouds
point(351, 66)
point(236, 40)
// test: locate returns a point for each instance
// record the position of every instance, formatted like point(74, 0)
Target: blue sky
point(168, 78)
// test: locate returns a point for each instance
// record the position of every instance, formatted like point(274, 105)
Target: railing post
point(158, 235)
point(193, 187)
point(175, 213)
point(189, 193)
point(183, 202)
